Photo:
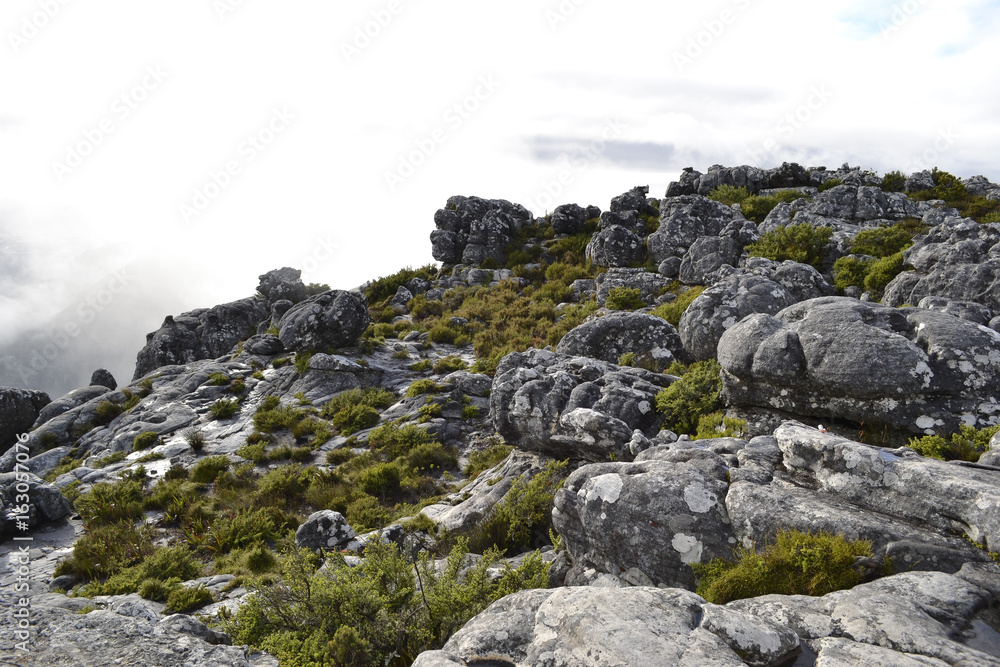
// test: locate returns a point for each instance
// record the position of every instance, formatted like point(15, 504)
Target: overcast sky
point(196, 144)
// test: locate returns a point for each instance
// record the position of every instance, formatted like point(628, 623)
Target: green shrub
point(218, 379)
point(470, 412)
point(480, 460)
point(800, 243)
point(224, 408)
point(354, 418)
point(447, 365)
point(624, 298)
point(524, 513)
point(106, 411)
point(182, 600)
point(111, 503)
point(421, 366)
point(729, 194)
point(850, 272)
point(881, 241)
point(423, 387)
point(882, 271)
point(337, 456)
point(195, 439)
point(829, 183)
point(443, 334)
point(164, 563)
point(673, 311)
point(385, 287)
point(431, 455)
point(893, 181)
point(328, 615)
point(796, 564)
point(968, 444)
point(717, 425)
point(991, 217)
point(381, 480)
point(207, 469)
point(393, 440)
point(145, 440)
point(694, 394)
point(253, 452)
point(104, 550)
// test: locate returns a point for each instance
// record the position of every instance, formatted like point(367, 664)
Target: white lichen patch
point(688, 547)
point(606, 488)
point(699, 498)
point(645, 407)
point(923, 371)
point(924, 422)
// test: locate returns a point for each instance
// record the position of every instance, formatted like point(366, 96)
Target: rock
point(103, 378)
point(182, 624)
point(471, 229)
point(801, 281)
point(71, 400)
point(206, 333)
point(921, 180)
point(325, 529)
point(282, 284)
point(705, 256)
point(849, 202)
point(45, 502)
point(19, 408)
point(645, 522)
point(650, 285)
point(572, 407)
point(569, 219)
point(629, 219)
point(721, 306)
point(634, 200)
point(264, 345)
point(965, 310)
point(615, 246)
point(329, 320)
point(608, 338)
point(682, 221)
point(918, 370)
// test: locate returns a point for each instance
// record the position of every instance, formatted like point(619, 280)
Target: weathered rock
point(919, 370)
point(721, 306)
point(283, 284)
point(328, 320)
point(608, 338)
point(325, 529)
point(570, 218)
point(634, 200)
point(682, 221)
point(471, 229)
point(44, 502)
point(646, 522)
point(71, 400)
point(572, 407)
point(705, 256)
point(263, 344)
point(650, 285)
point(103, 378)
point(849, 202)
point(19, 408)
point(965, 310)
point(615, 246)
point(206, 333)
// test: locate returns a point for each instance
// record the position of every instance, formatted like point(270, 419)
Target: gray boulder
point(919, 370)
point(974, 312)
point(607, 338)
point(206, 333)
point(45, 502)
point(722, 306)
point(706, 255)
point(646, 522)
point(329, 320)
point(682, 221)
point(71, 400)
point(263, 344)
point(634, 200)
point(572, 407)
point(283, 284)
point(650, 285)
point(19, 408)
point(102, 377)
point(472, 229)
point(325, 529)
point(615, 246)
point(851, 203)
point(570, 218)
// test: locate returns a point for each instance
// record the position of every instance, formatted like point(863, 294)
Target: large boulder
point(71, 400)
point(44, 502)
point(19, 409)
point(634, 200)
point(282, 284)
point(607, 338)
point(724, 304)
point(472, 229)
point(571, 218)
point(573, 407)
point(615, 246)
point(324, 530)
point(682, 221)
point(206, 333)
point(648, 521)
point(919, 370)
point(650, 285)
point(329, 320)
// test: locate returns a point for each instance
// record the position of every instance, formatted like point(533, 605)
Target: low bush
point(423, 387)
point(893, 181)
point(184, 599)
point(882, 271)
point(384, 288)
point(145, 440)
point(693, 395)
point(224, 408)
point(802, 243)
point(717, 425)
point(881, 241)
point(447, 365)
point(796, 564)
point(207, 469)
point(624, 298)
point(968, 444)
point(673, 310)
point(106, 411)
point(480, 460)
point(354, 418)
point(850, 272)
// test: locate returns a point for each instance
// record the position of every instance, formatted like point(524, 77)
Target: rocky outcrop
point(570, 218)
point(683, 220)
point(73, 399)
point(329, 320)
point(754, 179)
point(26, 498)
point(102, 377)
point(919, 370)
point(471, 229)
point(650, 285)
point(572, 407)
point(916, 618)
point(607, 338)
point(324, 530)
point(283, 284)
point(19, 408)
point(206, 333)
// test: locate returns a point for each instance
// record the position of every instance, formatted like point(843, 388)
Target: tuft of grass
point(447, 365)
point(673, 311)
point(485, 459)
point(145, 440)
point(182, 600)
point(208, 469)
point(224, 408)
point(717, 425)
point(423, 387)
point(796, 564)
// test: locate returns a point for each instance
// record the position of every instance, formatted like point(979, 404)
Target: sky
point(158, 157)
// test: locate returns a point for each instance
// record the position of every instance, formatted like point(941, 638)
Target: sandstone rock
point(325, 529)
point(682, 221)
point(650, 285)
point(615, 246)
point(45, 502)
point(282, 284)
point(919, 370)
point(471, 229)
point(19, 408)
point(705, 256)
point(71, 400)
point(608, 338)
point(103, 378)
point(572, 407)
point(328, 320)
point(634, 200)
